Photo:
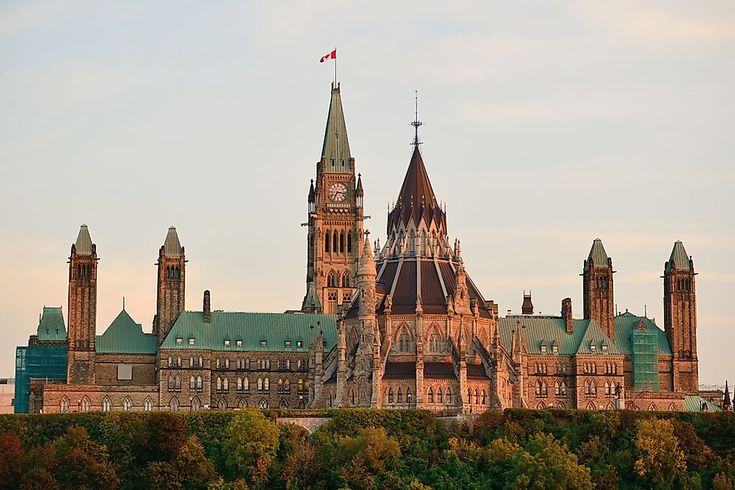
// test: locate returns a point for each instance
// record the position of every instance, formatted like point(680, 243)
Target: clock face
point(337, 192)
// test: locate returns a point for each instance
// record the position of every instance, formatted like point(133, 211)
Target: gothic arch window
point(431, 395)
point(219, 383)
point(196, 404)
point(484, 399)
point(246, 384)
point(652, 407)
point(449, 396)
point(477, 396)
point(332, 279)
point(561, 405)
point(239, 383)
point(335, 238)
point(106, 404)
point(86, 404)
point(469, 395)
point(439, 395)
point(263, 403)
point(541, 406)
point(173, 405)
point(243, 403)
point(226, 384)
point(192, 383)
point(260, 384)
point(403, 338)
point(435, 340)
point(222, 404)
point(400, 395)
point(64, 408)
point(352, 397)
point(148, 404)
point(409, 398)
point(177, 382)
point(199, 383)
point(267, 384)
point(672, 408)
point(610, 406)
point(349, 242)
point(563, 388)
point(127, 404)
point(345, 279)
point(591, 406)
point(390, 395)
point(283, 403)
point(557, 389)
point(327, 241)
point(341, 242)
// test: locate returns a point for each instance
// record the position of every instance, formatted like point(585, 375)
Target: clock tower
point(335, 219)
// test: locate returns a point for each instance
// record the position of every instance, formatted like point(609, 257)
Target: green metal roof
point(124, 336)
point(51, 325)
point(694, 404)
point(548, 330)
point(624, 325)
point(251, 328)
point(679, 257)
point(598, 254)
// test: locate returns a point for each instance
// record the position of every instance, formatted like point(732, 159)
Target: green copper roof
point(598, 254)
point(679, 258)
point(172, 245)
point(336, 147)
point(124, 336)
point(51, 325)
point(257, 331)
point(83, 244)
point(548, 330)
point(624, 325)
point(694, 404)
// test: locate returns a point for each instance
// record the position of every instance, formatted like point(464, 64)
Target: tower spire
point(416, 123)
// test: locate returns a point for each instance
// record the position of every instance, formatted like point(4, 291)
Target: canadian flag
point(329, 56)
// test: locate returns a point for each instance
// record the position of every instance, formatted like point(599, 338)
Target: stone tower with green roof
point(335, 219)
point(82, 309)
point(171, 284)
point(680, 318)
point(597, 289)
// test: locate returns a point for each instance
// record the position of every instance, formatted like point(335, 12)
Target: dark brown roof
point(416, 201)
point(441, 370)
point(476, 371)
point(400, 370)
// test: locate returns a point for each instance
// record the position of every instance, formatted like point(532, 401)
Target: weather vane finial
point(416, 123)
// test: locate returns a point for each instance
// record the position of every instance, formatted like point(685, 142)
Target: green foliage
point(368, 449)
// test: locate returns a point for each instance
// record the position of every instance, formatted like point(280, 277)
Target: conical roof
point(416, 200)
point(336, 147)
point(598, 254)
point(83, 245)
point(172, 245)
point(679, 258)
point(367, 263)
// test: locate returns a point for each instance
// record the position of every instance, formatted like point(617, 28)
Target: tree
point(251, 445)
point(660, 459)
point(12, 456)
point(81, 463)
point(546, 464)
point(369, 456)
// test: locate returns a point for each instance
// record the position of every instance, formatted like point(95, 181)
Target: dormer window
point(593, 347)
point(299, 343)
point(179, 341)
point(238, 343)
point(555, 348)
point(263, 343)
point(192, 341)
point(227, 342)
point(604, 347)
point(287, 344)
point(543, 347)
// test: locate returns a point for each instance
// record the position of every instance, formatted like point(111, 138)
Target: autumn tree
point(251, 445)
point(660, 459)
point(81, 463)
point(544, 463)
point(12, 456)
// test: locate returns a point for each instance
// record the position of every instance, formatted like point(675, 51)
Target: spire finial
point(416, 123)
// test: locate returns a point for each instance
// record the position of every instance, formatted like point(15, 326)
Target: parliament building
point(400, 325)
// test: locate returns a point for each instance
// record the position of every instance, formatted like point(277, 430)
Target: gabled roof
point(598, 254)
point(251, 328)
point(627, 322)
point(124, 336)
point(83, 245)
point(694, 404)
point(51, 325)
point(172, 246)
point(548, 329)
point(416, 200)
point(595, 336)
point(336, 147)
point(679, 258)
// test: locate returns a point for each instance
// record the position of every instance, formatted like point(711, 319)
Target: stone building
point(401, 325)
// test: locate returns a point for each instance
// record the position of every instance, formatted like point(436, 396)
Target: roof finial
point(123, 303)
point(416, 123)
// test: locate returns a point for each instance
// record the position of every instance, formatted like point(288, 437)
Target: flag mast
point(335, 66)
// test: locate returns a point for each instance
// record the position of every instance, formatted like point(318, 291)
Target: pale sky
point(547, 124)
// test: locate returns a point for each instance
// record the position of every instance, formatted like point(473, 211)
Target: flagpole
point(335, 67)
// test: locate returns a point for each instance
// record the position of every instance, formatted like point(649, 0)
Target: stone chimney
point(207, 308)
point(566, 314)
point(527, 307)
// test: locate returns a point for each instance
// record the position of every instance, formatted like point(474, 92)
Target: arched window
point(449, 395)
point(226, 384)
point(672, 408)
point(541, 406)
point(287, 386)
point(334, 242)
point(431, 395)
point(301, 385)
point(86, 404)
point(563, 389)
point(260, 384)
point(341, 242)
point(477, 396)
point(587, 389)
point(332, 279)
point(439, 395)
point(390, 395)
point(591, 406)
point(222, 404)
point(64, 408)
point(243, 403)
point(561, 405)
point(192, 383)
point(283, 403)
point(345, 279)
point(484, 399)
point(196, 404)
point(593, 387)
point(239, 384)
point(127, 404)
point(106, 404)
point(177, 382)
point(610, 406)
point(469, 396)
point(557, 391)
point(263, 403)
point(267, 384)
point(219, 383)
point(246, 384)
point(400, 395)
point(199, 382)
point(327, 242)
point(349, 242)
point(652, 407)
point(408, 395)
point(148, 405)
point(173, 405)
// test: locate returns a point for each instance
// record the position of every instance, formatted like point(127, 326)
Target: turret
point(82, 309)
point(599, 303)
point(171, 284)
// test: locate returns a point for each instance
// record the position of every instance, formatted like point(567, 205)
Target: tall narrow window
point(439, 395)
point(349, 242)
point(327, 242)
point(335, 244)
point(342, 242)
point(390, 395)
point(431, 395)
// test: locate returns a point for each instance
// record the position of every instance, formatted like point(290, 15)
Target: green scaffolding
point(41, 362)
point(645, 360)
